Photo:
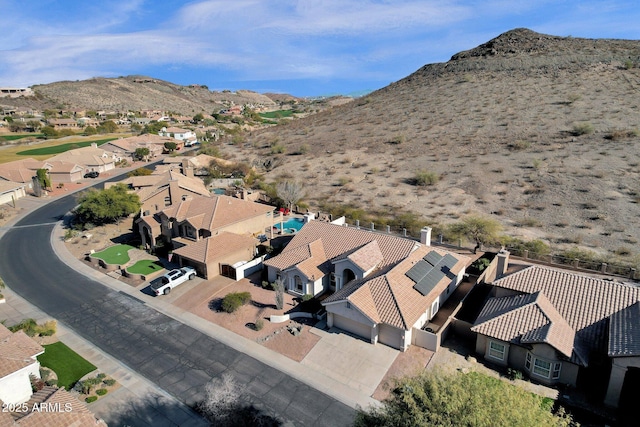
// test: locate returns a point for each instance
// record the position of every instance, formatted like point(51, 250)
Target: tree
point(43, 178)
point(477, 229)
point(170, 146)
point(154, 127)
point(106, 206)
point(461, 399)
point(141, 153)
point(49, 132)
point(198, 118)
point(90, 130)
point(140, 172)
point(107, 127)
point(290, 192)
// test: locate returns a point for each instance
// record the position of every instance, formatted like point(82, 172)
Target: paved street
point(178, 358)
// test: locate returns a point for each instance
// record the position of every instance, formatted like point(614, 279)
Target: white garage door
point(352, 326)
point(390, 336)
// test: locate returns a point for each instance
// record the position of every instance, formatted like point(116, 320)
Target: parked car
point(92, 174)
point(172, 279)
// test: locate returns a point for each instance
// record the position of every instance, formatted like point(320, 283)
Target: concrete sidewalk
point(124, 404)
point(342, 389)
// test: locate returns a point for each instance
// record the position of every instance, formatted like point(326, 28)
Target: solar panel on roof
point(432, 257)
point(429, 281)
point(418, 271)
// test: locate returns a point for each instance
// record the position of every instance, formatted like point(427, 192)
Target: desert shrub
point(259, 323)
point(481, 264)
point(234, 300)
point(425, 178)
point(278, 149)
point(28, 326)
point(519, 145)
point(306, 297)
point(46, 329)
point(101, 376)
point(51, 382)
point(91, 399)
point(533, 246)
point(514, 374)
point(101, 391)
point(266, 285)
point(396, 140)
point(109, 382)
point(582, 128)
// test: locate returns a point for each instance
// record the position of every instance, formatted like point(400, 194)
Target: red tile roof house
point(210, 233)
point(18, 364)
point(561, 327)
point(384, 286)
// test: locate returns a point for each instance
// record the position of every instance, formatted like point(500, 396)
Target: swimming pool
point(291, 225)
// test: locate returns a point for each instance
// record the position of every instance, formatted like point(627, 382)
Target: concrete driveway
point(350, 360)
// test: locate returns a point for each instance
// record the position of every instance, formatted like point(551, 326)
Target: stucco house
point(93, 158)
point(18, 362)
point(384, 286)
point(125, 148)
point(218, 230)
point(561, 327)
point(11, 191)
point(24, 170)
point(160, 190)
point(188, 137)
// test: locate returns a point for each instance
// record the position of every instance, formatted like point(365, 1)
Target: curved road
point(176, 357)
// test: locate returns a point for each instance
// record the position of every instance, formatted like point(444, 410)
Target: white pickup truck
point(172, 279)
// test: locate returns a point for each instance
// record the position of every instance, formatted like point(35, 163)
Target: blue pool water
point(293, 224)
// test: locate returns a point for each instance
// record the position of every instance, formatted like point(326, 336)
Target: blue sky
point(304, 47)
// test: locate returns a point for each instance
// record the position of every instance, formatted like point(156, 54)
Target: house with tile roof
point(383, 286)
point(160, 190)
point(11, 191)
point(208, 233)
point(50, 406)
point(24, 170)
point(561, 327)
point(186, 136)
point(92, 158)
point(18, 363)
point(125, 148)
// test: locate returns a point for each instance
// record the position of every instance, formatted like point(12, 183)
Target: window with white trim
point(543, 368)
point(497, 350)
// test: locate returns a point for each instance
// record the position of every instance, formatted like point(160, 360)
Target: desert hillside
point(538, 131)
point(135, 93)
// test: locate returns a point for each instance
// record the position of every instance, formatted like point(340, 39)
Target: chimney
point(188, 172)
point(503, 263)
point(94, 145)
point(425, 236)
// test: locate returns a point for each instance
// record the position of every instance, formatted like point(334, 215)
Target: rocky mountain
point(135, 93)
point(538, 131)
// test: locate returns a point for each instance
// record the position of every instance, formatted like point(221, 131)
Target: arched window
point(347, 276)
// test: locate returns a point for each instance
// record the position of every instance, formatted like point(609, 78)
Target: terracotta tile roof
point(525, 319)
point(17, 350)
point(367, 257)
point(214, 247)
point(64, 167)
point(389, 296)
point(585, 303)
point(338, 242)
point(20, 170)
point(10, 185)
point(63, 410)
point(314, 264)
point(624, 332)
point(215, 212)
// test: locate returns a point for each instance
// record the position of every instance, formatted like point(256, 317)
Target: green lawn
point(276, 114)
point(66, 363)
point(145, 266)
point(57, 149)
point(25, 135)
point(117, 254)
